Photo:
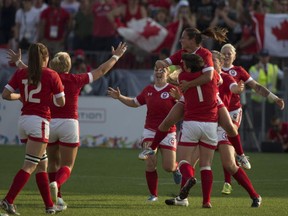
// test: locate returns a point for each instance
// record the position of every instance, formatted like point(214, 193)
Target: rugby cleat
point(227, 189)
point(177, 201)
point(146, 153)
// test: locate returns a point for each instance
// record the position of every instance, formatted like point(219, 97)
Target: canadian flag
point(272, 33)
point(150, 36)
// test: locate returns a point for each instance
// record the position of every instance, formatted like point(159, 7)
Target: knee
point(168, 167)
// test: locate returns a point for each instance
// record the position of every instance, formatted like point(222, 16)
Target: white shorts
point(169, 142)
point(199, 133)
point(33, 127)
point(236, 116)
point(222, 136)
point(64, 132)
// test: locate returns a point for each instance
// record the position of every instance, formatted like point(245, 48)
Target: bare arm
point(239, 88)
point(60, 101)
point(8, 95)
point(116, 94)
point(204, 78)
point(114, 13)
point(261, 90)
point(106, 66)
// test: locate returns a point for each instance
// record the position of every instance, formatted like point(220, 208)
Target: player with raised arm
point(191, 43)
point(64, 126)
point(235, 107)
point(37, 85)
point(159, 102)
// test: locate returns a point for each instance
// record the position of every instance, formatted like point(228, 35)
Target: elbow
point(61, 101)
point(5, 95)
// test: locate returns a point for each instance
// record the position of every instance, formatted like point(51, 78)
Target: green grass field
point(112, 182)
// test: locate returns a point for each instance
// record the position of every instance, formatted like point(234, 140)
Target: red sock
point(43, 186)
point(227, 176)
point(207, 180)
point(242, 178)
point(52, 176)
point(187, 172)
point(236, 142)
point(20, 179)
point(152, 182)
point(62, 175)
point(159, 136)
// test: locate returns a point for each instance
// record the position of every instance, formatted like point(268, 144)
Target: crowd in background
point(91, 25)
point(87, 29)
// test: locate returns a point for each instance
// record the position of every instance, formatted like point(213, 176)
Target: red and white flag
point(272, 33)
point(149, 35)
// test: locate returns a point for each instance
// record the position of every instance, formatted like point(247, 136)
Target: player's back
point(200, 101)
point(73, 84)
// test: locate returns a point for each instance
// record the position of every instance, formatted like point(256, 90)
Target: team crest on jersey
point(232, 72)
point(171, 141)
point(224, 136)
point(149, 94)
point(164, 95)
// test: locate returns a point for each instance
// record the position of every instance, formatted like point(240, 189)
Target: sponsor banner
point(103, 122)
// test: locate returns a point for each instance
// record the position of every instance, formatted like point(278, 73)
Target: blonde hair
point(230, 46)
point(61, 62)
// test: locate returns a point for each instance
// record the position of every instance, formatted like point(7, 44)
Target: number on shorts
point(29, 95)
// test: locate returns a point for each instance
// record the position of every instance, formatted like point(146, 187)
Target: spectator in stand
point(278, 132)
point(280, 6)
point(80, 65)
point(55, 23)
point(83, 26)
point(104, 32)
point(246, 47)
point(7, 21)
point(133, 9)
point(184, 13)
point(37, 85)
point(27, 25)
point(120, 16)
point(267, 75)
point(161, 16)
point(204, 11)
point(39, 5)
point(226, 17)
point(71, 6)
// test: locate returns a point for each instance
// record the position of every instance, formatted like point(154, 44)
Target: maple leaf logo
point(282, 32)
point(150, 30)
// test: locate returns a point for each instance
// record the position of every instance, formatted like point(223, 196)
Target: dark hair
point(217, 33)
point(193, 61)
point(36, 55)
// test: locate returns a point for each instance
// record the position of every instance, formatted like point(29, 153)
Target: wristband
point(272, 96)
point(18, 62)
point(116, 57)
